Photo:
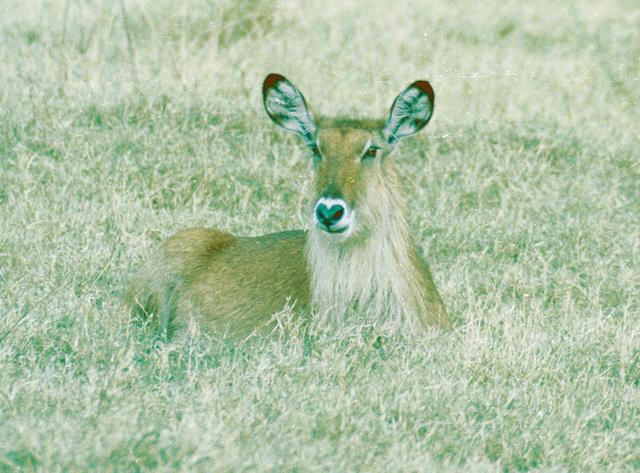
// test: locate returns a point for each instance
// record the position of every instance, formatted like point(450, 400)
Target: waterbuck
point(357, 260)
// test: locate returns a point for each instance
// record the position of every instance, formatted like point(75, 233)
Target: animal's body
point(357, 260)
point(202, 275)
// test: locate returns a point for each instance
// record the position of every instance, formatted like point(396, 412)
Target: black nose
point(329, 216)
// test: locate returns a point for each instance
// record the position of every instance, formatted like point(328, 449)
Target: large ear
point(286, 106)
point(410, 112)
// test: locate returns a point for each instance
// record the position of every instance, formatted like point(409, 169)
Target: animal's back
point(224, 283)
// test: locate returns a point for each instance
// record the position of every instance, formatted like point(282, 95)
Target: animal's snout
point(328, 216)
point(333, 216)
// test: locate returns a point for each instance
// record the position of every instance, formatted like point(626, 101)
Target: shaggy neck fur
point(374, 273)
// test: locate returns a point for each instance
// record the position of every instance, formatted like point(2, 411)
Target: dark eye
point(371, 152)
point(316, 151)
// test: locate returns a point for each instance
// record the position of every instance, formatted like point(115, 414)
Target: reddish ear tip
point(426, 88)
point(271, 80)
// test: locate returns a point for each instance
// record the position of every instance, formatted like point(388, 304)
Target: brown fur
point(225, 284)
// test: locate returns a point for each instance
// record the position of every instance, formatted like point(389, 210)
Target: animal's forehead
point(343, 141)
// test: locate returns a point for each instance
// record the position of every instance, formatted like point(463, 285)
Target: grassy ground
point(524, 193)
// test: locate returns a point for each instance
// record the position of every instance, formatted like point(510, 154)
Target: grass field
point(123, 122)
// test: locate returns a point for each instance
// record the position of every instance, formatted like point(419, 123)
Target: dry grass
point(524, 193)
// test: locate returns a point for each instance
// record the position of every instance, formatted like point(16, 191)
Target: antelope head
point(353, 177)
